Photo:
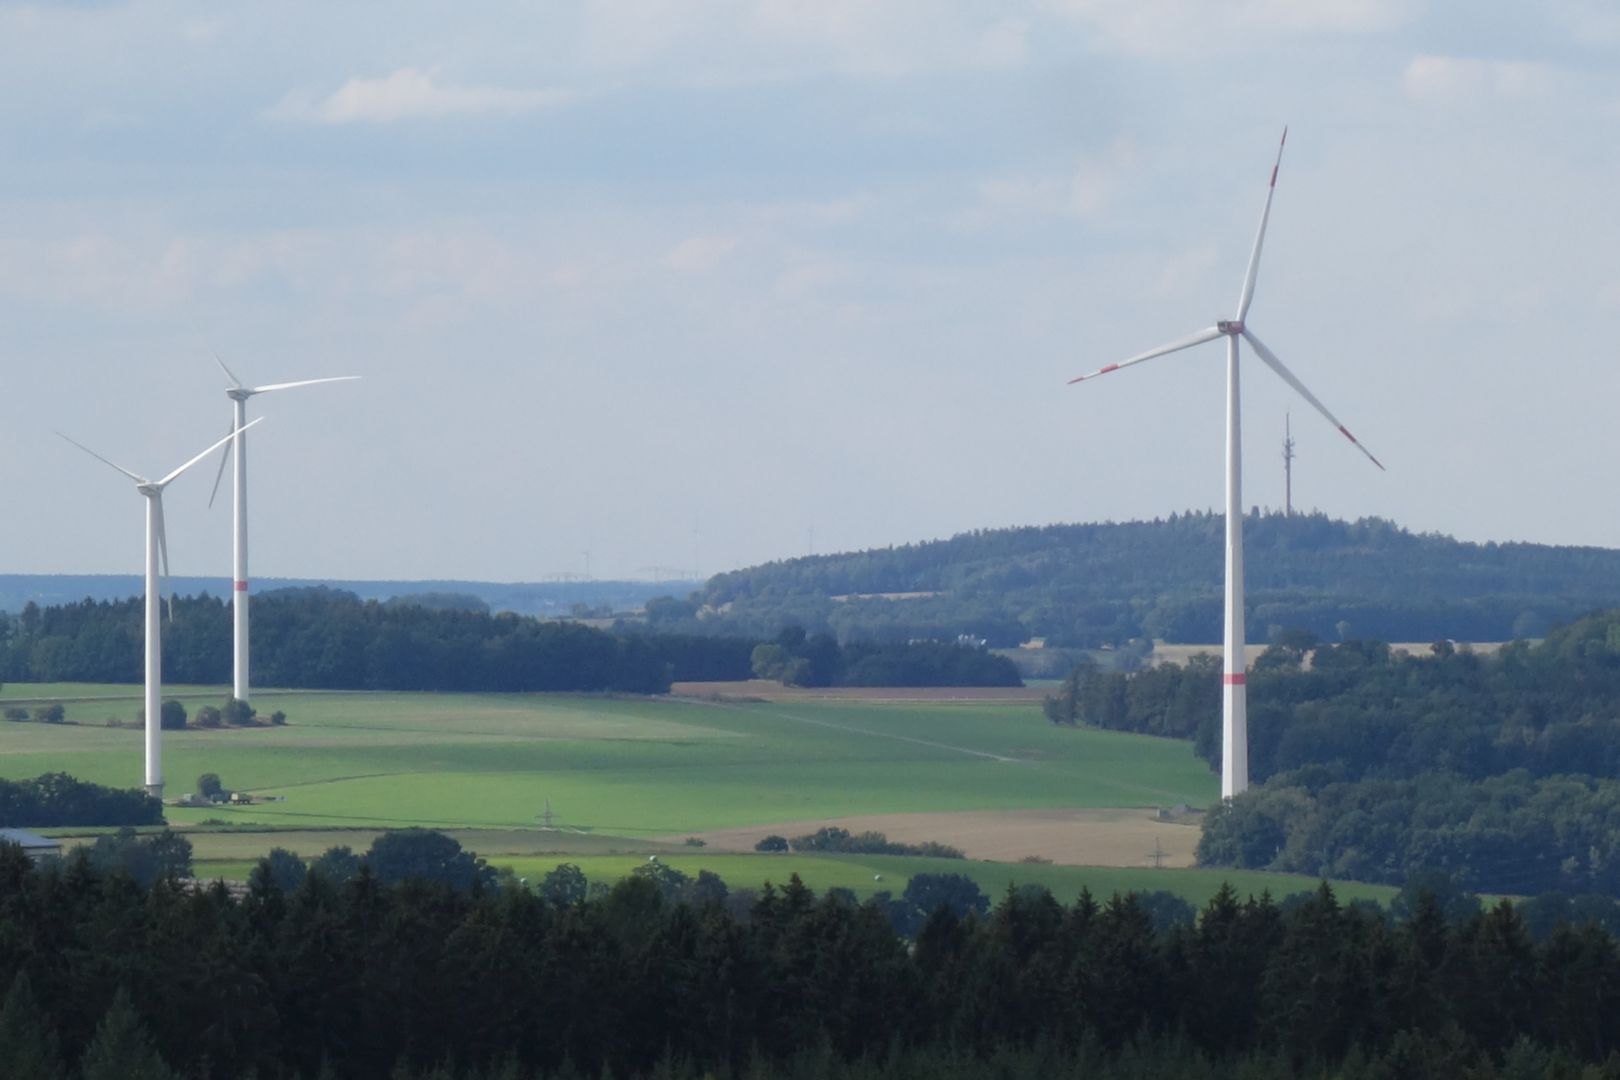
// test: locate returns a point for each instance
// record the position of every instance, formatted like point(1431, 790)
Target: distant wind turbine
point(157, 547)
point(1234, 698)
point(239, 394)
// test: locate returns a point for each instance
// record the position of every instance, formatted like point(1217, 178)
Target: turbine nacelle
point(1230, 327)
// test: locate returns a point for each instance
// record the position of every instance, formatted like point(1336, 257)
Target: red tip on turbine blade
point(1346, 433)
point(1094, 374)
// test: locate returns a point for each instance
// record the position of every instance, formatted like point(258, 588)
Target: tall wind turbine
point(1234, 699)
point(157, 546)
point(239, 394)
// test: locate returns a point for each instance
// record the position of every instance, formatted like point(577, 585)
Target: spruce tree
point(27, 1042)
point(122, 1048)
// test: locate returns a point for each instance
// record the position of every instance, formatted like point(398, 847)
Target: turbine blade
point(224, 456)
point(133, 476)
point(229, 374)
point(1260, 237)
point(301, 382)
point(169, 479)
point(163, 555)
point(1180, 343)
point(1288, 377)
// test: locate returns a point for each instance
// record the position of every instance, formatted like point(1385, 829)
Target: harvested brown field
point(1127, 838)
point(766, 690)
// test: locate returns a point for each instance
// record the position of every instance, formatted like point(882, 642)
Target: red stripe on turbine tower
point(241, 586)
point(1238, 679)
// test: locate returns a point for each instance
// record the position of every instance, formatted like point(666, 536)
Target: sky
point(655, 287)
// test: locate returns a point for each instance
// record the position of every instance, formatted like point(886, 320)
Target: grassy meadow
point(628, 776)
point(625, 766)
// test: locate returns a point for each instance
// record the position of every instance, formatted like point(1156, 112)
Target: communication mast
point(1288, 468)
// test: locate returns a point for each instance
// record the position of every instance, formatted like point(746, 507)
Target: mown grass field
point(624, 775)
point(630, 767)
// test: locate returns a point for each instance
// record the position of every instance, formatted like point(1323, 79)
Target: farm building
point(37, 847)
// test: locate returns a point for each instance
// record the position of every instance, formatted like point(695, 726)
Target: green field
point(868, 874)
point(623, 775)
point(630, 767)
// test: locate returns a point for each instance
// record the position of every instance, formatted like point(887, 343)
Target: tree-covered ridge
point(418, 979)
point(1098, 583)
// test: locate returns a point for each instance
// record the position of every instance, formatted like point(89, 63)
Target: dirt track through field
point(766, 690)
point(1071, 837)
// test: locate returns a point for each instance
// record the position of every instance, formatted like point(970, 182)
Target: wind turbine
point(1234, 698)
point(239, 394)
point(157, 546)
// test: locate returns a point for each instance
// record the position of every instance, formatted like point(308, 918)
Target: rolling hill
point(1092, 584)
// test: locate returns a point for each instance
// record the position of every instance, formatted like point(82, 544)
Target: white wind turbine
point(239, 394)
point(1234, 701)
point(157, 546)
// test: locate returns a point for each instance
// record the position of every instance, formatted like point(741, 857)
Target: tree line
point(795, 658)
point(1374, 765)
point(422, 980)
point(320, 638)
point(55, 800)
point(1095, 584)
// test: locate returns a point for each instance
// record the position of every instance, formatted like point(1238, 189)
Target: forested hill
point(1088, 585)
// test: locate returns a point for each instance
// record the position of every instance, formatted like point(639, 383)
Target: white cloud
point(696, 254)
point(1084, 193)
point(1451, 80)
point(411, 94)
point(1170, 27)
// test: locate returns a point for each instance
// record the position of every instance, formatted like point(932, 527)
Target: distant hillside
point(1087, 585)
point(525, 598)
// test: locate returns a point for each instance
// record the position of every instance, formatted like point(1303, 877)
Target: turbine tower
point(157, 547)
point(1234, 699)
point(239, 394)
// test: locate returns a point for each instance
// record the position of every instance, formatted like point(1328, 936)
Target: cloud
point(1451, 80)
point(410, 94)
point(1084, 193)
point(1173, 27)
point(696, 254)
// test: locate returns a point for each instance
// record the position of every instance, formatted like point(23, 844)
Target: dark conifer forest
point(419, 979)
